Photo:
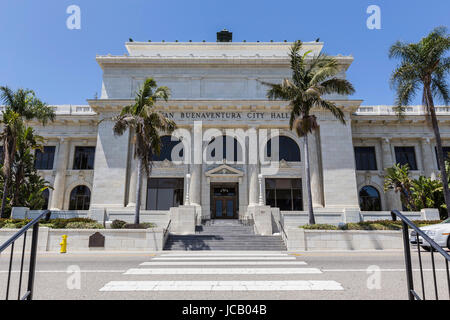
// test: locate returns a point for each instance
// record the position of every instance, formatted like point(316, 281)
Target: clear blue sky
point(37, 51)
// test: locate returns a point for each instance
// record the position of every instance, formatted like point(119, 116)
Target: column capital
point(426, 140)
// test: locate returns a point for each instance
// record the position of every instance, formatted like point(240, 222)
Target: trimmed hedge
point(76, 223)
point(119, 224)
point(369, 225)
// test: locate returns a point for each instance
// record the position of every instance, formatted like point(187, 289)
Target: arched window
point(369, 199)
point(225, 147)
point(288, 149)
point(80, 198)
point(45, 195)
point(167, 147)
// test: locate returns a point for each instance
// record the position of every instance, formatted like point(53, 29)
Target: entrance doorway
point(224, 201)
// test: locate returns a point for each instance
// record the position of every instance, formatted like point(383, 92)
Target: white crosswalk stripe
point(292, 285)
point(224, 271)
point(221, 263)
point(224, 258)
point(241, 266)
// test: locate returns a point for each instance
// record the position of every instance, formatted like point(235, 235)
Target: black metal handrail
point(167, 228)
point(32, 266)
point(406, 223)
point(282, 229)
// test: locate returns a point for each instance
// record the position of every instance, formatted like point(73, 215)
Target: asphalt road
point(207, 275)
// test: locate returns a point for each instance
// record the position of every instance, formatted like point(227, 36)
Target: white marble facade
point(220, 85)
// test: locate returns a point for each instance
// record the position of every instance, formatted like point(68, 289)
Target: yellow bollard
point(63, 244)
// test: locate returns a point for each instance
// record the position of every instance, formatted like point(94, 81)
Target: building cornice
point(115, 105)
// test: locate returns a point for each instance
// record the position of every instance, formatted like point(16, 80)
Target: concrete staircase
point(224, 235)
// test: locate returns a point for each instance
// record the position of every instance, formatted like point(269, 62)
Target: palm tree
point(424, 67)
point(312, 77)
point(145, 124)
point(397, 178)
point(20, 106)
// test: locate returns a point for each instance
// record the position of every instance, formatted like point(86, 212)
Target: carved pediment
point(224, 170)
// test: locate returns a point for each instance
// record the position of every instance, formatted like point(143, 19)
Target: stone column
point(428, 164)
point(392, 201)
point(316, 177)
point(252, 171)
point(196, 165)
point(388, 161)
point(59, 186)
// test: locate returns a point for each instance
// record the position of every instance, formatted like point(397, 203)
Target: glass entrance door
point(224, 202)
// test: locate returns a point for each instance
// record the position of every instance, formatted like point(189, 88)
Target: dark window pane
point(285, 194)
point(284, 199)
point(288, 149)
point(84, 158)
point(365, 158)
point(406, 155)
point(446, 151)
point(167, 146)
point(164, 193)
point(298, 201)
point(231, 149)
point(151, 198)
point(369, 199)
point(44, 160)
point(270, 198)
point(80, 198)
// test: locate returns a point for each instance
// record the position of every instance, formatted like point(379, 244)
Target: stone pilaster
point(428, 163)
point(196, 165)
point(316, 177)
point(59, 186)
point(392, 199)
point(111, 157)
point(253, 169)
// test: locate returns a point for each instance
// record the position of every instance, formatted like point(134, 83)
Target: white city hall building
point(220, 85)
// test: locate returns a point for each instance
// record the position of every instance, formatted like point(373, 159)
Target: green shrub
point(144, 225)
point(84, 225)
point(20, 223)
point(62, 223)
point(9, 225)
point(319, 227)
point(118, 224)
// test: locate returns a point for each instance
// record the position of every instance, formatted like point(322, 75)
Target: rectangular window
point(164, 193)
point(285, 194)
point(44, 159)
point(365, 158)
point(446, 151)
point(406, 155)
point(84, 158)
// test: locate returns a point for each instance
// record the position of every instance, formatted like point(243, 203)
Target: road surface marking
point(220, 263)
point(290, 285)
point(240, 271)
point(224, 258)
point(220, 254)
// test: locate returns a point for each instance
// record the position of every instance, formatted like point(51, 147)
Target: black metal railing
point(421, 239)
point(34, 224)
point(167, 229)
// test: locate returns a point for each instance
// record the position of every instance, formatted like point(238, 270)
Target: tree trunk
point(5, 191)
point(308, 182)
point(137, 210)
point(9, 152)
point(440, 153)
